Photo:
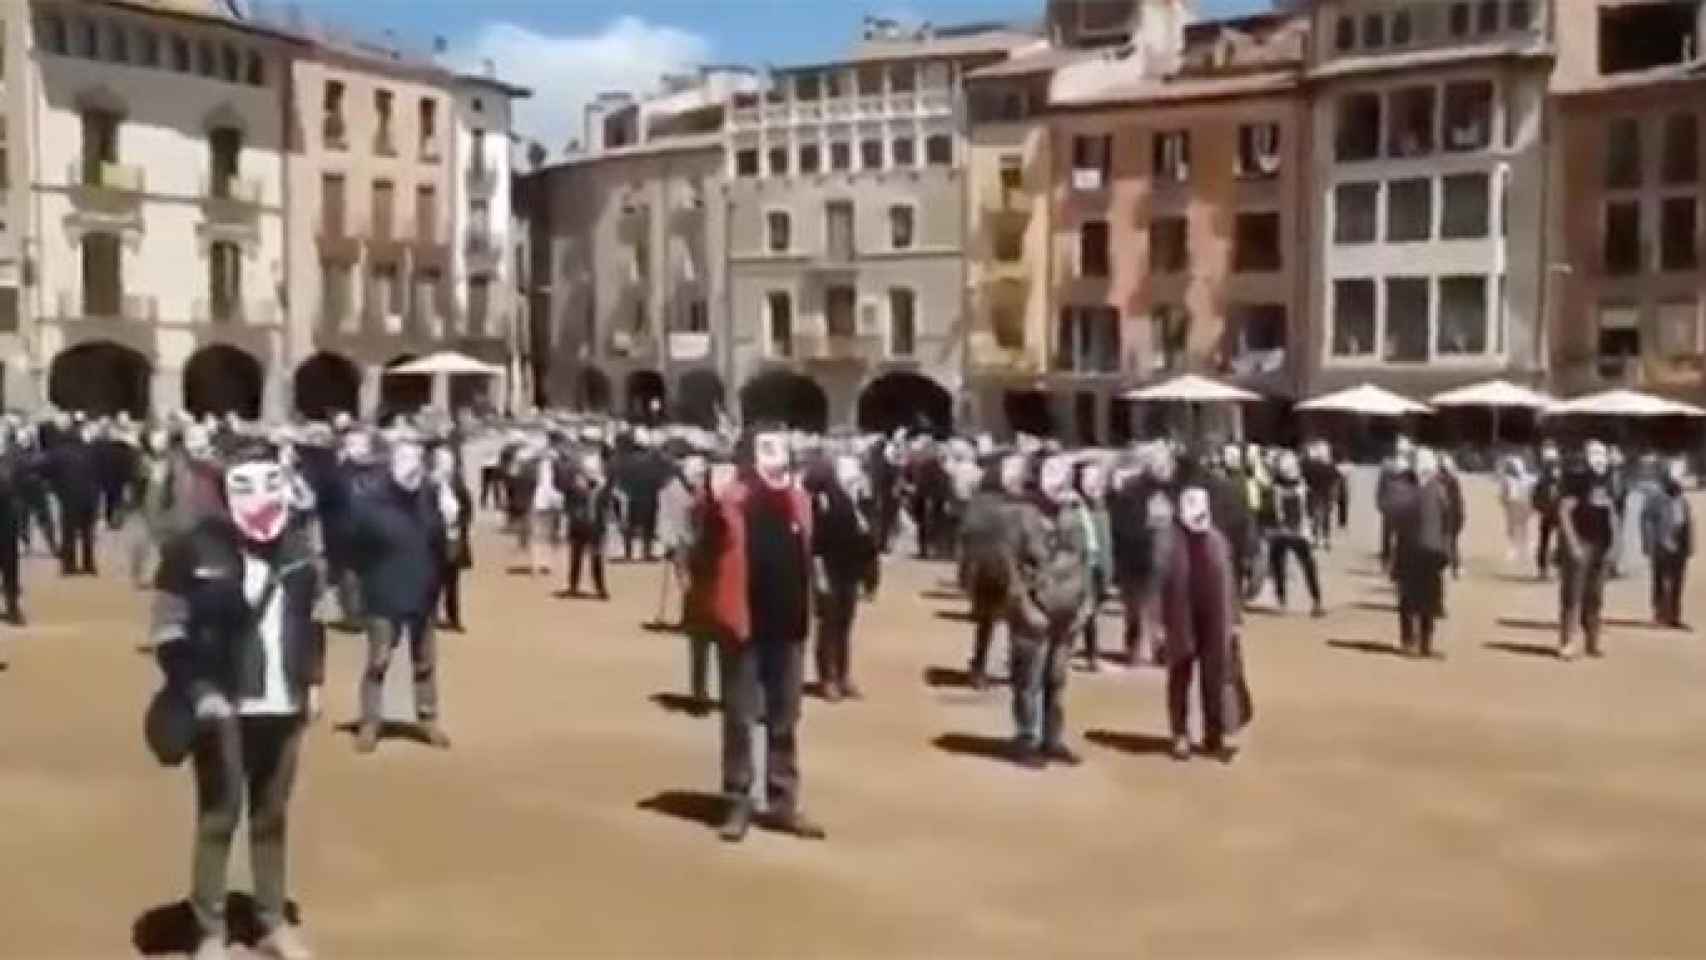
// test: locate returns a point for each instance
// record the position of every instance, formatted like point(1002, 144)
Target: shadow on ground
point(952, 678)
point(1367, 646)
point(389, 730)
point(1137, 744)
point(171, 929)
point(683, 704)
point(694, 806)
point(1524, 649)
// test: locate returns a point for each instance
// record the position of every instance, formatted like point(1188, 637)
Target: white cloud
point(566, 70)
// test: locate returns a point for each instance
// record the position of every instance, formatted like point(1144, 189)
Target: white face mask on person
point(258, 496)
point(850, 475)
point(1055, 479)
point(1093, 483)
point(770, 457)
point(408, 466)
point(1194, 512)
point(1598, 459)
point(1427, 465)
point(1013, 475)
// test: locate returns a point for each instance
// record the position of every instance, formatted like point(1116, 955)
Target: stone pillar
point(441, 392)
point(275, 395)
point(371, 376)
point(165, 390)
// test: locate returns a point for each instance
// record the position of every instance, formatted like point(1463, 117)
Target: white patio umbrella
point(1497, 396)
point(1623, 403)
point(1365, 400)
point(441, 366)
point(1195, 391)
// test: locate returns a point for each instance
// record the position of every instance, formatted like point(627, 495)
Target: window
point(1256, 242)
point(1678, 328)
point(225, 146)
point(1173, 156)
point(900, 226)
point(384, 210)
point(1090, 157)
point(53, 33)
point(1619, 338)
point(1356, 210)
point(230, 64)
point(332, 130)
point(1462, 316)
point(332, 210)
point(1468, 116)
point(903, 332)
point(180, 54)
point(1518, 15)
point(1682, 149)
point(1407, 309)
point(426, 213)
point(1458, 22)
point(148, 47)
point(1093, 249)
point(871, 154)
point(1353, 318)
point(1678, 233)
point(1623, 153)
point(1257, 334)
point(811, 157)
point(1087, 340)
point(225, 282)
point(939, 150)
point(255, 71)
point(1358, 134)
point(905, 152)
point(1012, 172)
point(206, 62)
point(1409, 210)
point(1487, 21)
point(1412, 123)
point(429, 130)
point(1345, 35)
point(902, 78)
point(832, 88)
point(698, 316)
point(778, 157)
point(1169, 245)
point(1401, 28)
point(1623, 238)
point(778, 231)
point(838, 229)
point(806, 87)
point(840, 155)
point(118, 43)
point(1466, 206)
point(839, 318)
point(1374, 31)
point(8, 309)
point(746, 162)
point(1009, 244)
point(1258, 150)
point(479, 304)
point(382, 142)
point(89, 39)
point(1169, 337)
point(103, 279)
point(870, 81)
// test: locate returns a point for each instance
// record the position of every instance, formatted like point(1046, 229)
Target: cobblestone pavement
point(1495, 803)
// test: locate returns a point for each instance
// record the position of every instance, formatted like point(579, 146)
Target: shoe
point(850, 692)
point(1093, 664)
point(1317, 611)
point(1567, 653)
point(283, 943)
point(1220, 750)
point(367, 738)
point(15, 617)
point(977, 680)
point(1180, 749)
point(211, 948)
point(799, 825)
point(1061, 753)
point(736, 822)
point(1027, 755)
point(435, 735)
point(831, 692)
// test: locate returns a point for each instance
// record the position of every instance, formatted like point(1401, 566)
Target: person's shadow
point(171, 929)
point(389, 730)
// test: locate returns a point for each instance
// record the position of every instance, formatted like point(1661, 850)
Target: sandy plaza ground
point(1496, 803)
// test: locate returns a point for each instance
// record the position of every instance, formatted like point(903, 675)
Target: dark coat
point(1128, 526)
point(459, 549)
point(590, 509)
point(397, 545)
point(842, 536)
point(74, 476)
point(1187, 592)
point(203, 622)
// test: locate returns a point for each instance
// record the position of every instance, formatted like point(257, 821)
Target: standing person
point(547, 484)
point(1516, 497)
point(148, 533)
point(844, 553)
point(758, 600)
point(1457, 514)
point(1129, 545)
point(1547, 488)
point(76, 485)
point(986, 557)
point(1420, 510)
point(1286, 507)
point(1394, 472)
point(1051, 599)
point(1229, 497)
point(237, 643)
point(681, 516)
point(12, 518)
point(590, 506)
point(1098, 533)
point(456, 507)
point(34, 480)
point(1617, 472)
point(1588, 522)
point(642, 473)
point(676, 526)
point(880, 460)
point(1321, 478)
point(358, 474)
point(930, 492)
point(397, 543)
point(1200, 605)
point(1667, 539)
point(114, 456)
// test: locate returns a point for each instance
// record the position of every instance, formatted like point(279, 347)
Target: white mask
point(722, 477)
point(1194, 509)
point(770, 456)
point(1598, 460)
point(1287, 466)
point(1055, 479)
point(196, 443)
point(443, 465)
point(259, 498)
point(408, 466)
point(1093, 482)
point(358, 447)
point(693, 472)
point(850, 475)
point(1013, 475)
point(1427, 465)
point(1678, 470)
point(1233, 458)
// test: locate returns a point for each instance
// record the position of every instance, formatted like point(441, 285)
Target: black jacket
point(590, 509)
point(842, 537)
point(397, 547)
point(74, 476)
point(203, 622)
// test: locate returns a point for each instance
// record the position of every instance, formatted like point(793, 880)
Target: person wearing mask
point(1588, 523)
point(676, 525)
point(1618, 473)
point(757, 548)
point(1200, 606)
point(1420, 510)
point(76, 485)
point(844, 557)
point(1394, 473)
point(642, 478)
point(1516, 498)
point(456, 508)
point(1052, 597)
point(397, 546)
point(236, 638)
point(1547, 489)
point(1457, 514)
point(114, 455)
point(986, 556)
point(1285, 516)
point(882, 466)
point(1667, 539)
point(544, 491)
point(358, 474)
point(146, 534)
point(682, 519)
point(1229, 498)
point(1098, 534)
point(12, 518)
point(590, 507)
point(1321, 478)
point(34, 480)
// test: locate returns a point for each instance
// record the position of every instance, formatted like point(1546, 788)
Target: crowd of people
point(256, 541)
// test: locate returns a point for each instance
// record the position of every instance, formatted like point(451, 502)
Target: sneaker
point(1318, 611)
point(211, 948)
point(736, 822)
point(367, 738)
point(1180, 749)
point(1061, 753)
point(283, 943)
point(435, 735)
point(1029, 756)
point(849, 691)
point(799, 825)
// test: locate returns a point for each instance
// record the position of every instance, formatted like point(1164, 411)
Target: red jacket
point(718, 597)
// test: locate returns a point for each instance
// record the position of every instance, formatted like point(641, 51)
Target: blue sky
point(568, 49)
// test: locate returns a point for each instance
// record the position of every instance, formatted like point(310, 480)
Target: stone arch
point(327, 383)
point(100, 377)
point(907, 400)
point(699, 398)
point(592, 390)
point(786, 397)
point(640, 389)
point(221, 379)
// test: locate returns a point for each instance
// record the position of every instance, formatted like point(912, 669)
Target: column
point(372, 375)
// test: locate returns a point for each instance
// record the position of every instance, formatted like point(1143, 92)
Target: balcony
point(431, 150)
point(1007, 208)
point(235, 312)
point(333, 133)
point(483, 249)
point(745, 118)
point(776, 115)
point(872, 105)
point(811, 112)
point(430, 253)
point(337, 244)
point(133, 308)
point(384, 245)
point(632, 344)
point(689, 347)
point(632, 221)
point(384, 144)
point(902, 104)
point(689, 211)
point(482, 179)
point(936, 103)
point(107, 195)
point(838, 110)
point(837, 348)
point(989, 356)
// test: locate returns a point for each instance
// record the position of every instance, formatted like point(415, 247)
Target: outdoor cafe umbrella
point(441, 366)
point(1193, 390)
point(1497, 396)
point(1623, 403)
point(1365, 400)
